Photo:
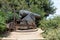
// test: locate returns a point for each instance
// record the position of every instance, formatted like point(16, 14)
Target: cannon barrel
point(25, 12)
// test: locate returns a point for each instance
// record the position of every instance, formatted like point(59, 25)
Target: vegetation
point(6, 18)
point(51, 28)
point(2, 22)
point(44, 8)
point(10, 17)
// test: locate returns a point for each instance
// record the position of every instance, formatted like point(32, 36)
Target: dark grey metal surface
point(25, 12)
point(28, 18)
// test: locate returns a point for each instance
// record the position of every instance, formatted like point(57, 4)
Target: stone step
point(23, 35)
point(21, 39)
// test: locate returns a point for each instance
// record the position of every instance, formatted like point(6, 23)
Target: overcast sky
point(57, 5)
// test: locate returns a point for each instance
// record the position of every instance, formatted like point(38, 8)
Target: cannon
point(28, 19)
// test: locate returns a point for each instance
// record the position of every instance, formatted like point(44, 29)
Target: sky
point(57, 5)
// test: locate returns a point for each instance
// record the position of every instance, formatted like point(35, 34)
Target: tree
point(42, 7)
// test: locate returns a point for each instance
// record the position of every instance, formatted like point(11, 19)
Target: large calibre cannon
point(28, 19)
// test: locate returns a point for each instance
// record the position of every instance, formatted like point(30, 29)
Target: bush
point(51, 28)
point(2, 14)
point(47, 24)
point(10, 16)
point(52, 34)
point(2, 24)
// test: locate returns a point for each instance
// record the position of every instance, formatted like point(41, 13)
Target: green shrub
point(2, 13)
point(51, 28)
point(2, 24)
point(10, 16)
point(46, 24)
point(52, 34)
